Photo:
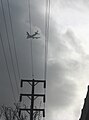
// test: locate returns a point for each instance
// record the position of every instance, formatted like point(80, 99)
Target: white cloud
point(70, 44)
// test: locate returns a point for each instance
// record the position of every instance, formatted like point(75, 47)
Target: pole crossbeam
point(35, 81)
point(35, 95)
point(27, 109)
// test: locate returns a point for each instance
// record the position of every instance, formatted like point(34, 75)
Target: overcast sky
point(68, 56)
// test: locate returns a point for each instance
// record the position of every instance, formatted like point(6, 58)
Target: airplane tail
point(28, 35)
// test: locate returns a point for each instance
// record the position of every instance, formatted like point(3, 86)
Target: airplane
point(32, 36)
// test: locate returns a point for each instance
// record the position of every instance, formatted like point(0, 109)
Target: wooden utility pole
point(33, 97)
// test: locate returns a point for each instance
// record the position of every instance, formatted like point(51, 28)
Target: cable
point(47, 17)
point(9, 45)
point(13, 38)
point(29, 6)
point(7, 68)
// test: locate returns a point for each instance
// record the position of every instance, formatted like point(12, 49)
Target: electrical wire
point(32, 67)
point(13, 37)
point(47, 16)
point(47, 19)
point(7, 68)
point(9, 45)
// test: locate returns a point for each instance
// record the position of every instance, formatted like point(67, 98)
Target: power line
point(7, 68)
point(34, 82)
point(47, 14)
point(29, 7)
point(47, 17)
point(13, 38)
point(9, 45)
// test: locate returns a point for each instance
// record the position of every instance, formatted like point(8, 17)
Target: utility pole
point(33, 97)
point(32, 101)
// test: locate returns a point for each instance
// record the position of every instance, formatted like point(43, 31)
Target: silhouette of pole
point(32, 102)
point(32, 97)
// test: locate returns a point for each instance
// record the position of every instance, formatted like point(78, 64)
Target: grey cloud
point(74, 42)
point(59, 87)
point(22, 47)
point(74, 4)
point(77, 111)
point(61, 95)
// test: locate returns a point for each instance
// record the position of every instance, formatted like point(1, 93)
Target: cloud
point(78, 4)
point(65, 57)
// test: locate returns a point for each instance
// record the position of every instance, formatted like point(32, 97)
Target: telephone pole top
point(33, 97)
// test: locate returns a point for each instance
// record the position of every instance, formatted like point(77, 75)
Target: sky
point(68, 56)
